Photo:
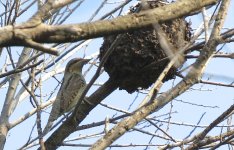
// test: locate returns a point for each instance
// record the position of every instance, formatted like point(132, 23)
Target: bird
point(73, 85)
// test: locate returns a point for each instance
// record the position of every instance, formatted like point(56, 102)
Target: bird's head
point(75, 65)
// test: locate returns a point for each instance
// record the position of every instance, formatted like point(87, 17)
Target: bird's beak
point(85, 61)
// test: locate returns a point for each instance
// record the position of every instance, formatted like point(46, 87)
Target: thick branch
point(70, 33)
point(69, 125)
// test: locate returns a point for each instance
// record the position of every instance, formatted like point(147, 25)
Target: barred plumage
point(72, 87)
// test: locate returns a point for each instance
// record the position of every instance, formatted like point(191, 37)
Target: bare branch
point(18, 70)
point(42, 33)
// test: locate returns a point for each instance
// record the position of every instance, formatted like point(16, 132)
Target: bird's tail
point(53, 116)
point(47, 127)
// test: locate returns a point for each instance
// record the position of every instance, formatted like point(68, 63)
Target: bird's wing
point(71, 92)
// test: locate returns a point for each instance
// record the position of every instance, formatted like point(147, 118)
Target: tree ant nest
point(137, 59)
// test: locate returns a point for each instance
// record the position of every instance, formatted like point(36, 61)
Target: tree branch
point(71, 124)
point(42, 33)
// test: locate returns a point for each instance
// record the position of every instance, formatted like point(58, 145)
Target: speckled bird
point(72, 86)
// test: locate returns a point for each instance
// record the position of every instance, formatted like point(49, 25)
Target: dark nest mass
point(137, 59)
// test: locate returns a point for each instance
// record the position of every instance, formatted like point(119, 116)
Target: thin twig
point(18, 70)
